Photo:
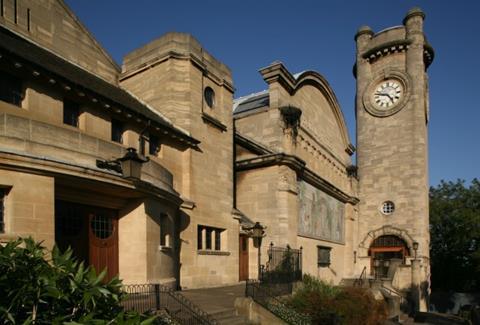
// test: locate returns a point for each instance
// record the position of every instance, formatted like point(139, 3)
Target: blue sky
point(318, 35)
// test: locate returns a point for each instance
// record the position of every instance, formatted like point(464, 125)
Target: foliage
point(455, 235)
point(287, 314)
point(327, 304)
point(42, 288)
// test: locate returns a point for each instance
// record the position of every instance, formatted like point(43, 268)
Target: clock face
point(387, 94)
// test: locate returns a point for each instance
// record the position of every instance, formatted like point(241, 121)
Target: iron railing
point(284, 265)
point(155, 297)
point(363, 277)
point(263, 296)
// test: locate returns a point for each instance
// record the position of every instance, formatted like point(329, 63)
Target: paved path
point(219, 302)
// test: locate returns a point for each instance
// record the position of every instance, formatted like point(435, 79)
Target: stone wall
point(54, 26)
point(171, 75)
point(29, 206)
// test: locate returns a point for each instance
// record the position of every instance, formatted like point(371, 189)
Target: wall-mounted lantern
point(415, 248)
point(130, 165)
point(257, 232)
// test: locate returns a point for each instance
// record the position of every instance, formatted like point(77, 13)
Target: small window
point(154, 145)
point(141, 145)
point(2, 210)
point(71, 112)
point(11, 90)
point(323, 256)
point(199, 237)
point(388, 207)
point(117, 131)
point(164, 230)
point(209, 238)
point(209, 96)
point(218, 241)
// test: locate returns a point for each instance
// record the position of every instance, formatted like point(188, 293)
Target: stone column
point(419, 294)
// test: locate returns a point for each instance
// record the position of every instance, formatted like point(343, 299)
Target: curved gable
point(308, 91)
point(314, 79)
point(312, 93)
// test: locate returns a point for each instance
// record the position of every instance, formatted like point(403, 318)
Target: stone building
point(178, 208)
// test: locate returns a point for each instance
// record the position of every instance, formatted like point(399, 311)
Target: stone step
point(219, 303)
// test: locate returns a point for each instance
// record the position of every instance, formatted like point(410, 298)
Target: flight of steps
point(391, 296)
point(219, 303)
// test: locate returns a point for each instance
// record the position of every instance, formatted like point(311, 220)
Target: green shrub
point(42, 288)
point(327, 304)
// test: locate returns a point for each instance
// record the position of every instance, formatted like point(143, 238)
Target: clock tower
point(392, 146)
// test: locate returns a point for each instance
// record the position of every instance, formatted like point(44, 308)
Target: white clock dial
point(387, 94)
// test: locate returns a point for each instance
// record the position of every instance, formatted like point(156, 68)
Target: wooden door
point(243, 258)
point(71, 229)
point(103, 241)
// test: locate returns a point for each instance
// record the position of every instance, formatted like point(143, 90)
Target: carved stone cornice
point(395, 46)
point(299, 166)
point(214, 122)
point(386, 48)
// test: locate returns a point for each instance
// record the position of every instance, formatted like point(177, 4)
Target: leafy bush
point(327, 304)
point(42, 288)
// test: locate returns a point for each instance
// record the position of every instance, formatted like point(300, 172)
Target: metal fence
point(155, 297)
point(262, 294)
point(284, 265)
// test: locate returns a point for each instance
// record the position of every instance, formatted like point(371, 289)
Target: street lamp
point(415, 248)
point(257, 232)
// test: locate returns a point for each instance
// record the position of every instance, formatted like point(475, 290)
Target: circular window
point(102, 226)
point(388, 207)
point(209, 96)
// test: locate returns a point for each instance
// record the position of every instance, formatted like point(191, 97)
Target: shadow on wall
point(183, 222)
point(416, 295)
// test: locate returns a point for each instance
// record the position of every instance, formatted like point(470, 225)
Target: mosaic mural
point(321, 216)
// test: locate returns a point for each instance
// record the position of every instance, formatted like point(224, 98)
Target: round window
point(388, 207)
point(209, 96)
point(102, 227)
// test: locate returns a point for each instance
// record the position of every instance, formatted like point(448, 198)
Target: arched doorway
point(385, 251)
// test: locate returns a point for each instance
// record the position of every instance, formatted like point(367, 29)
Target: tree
point(455, 235)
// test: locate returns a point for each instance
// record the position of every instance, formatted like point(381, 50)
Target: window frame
point(116, 136)
point(153, 144)
point(71, 108)
point(3, 194)
point(11, 89)
point(165, 231)
point(216, 246)
point(324, 256)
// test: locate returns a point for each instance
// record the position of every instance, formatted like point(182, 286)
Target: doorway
point(243, 258)
point(386, 251)
point(91, 232)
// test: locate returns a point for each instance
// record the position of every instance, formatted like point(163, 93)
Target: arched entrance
point(385, 251)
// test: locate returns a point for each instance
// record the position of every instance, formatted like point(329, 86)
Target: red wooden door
point(243, 258)
point(103, 241)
